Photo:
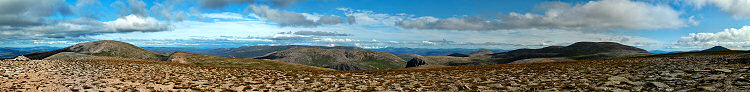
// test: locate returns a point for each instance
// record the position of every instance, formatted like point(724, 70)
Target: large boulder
point(20, 58)
point(416, 61)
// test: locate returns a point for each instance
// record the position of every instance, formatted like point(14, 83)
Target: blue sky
point(670, 25)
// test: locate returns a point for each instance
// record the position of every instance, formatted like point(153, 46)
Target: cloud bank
point(39, 19)
point(619, 14)
point(738, 8)
point(729, 37)
point(291, 19)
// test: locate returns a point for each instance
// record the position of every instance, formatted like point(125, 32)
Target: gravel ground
point(697, 73)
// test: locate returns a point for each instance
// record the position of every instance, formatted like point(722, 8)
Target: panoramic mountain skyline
point(670, 25)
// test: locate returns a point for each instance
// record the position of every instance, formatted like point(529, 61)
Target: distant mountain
point(715, 48)
point(577, 51)
point(481, 57)
point(432, 52)
point(481, 52)
point(339, 59)
point(458, 55)
point(206, 60)
point(445, 61)
point(15, 51)
point(407, 57)
point(10, 52)
point(104, 48)
point(240, 52)
point(659, 52)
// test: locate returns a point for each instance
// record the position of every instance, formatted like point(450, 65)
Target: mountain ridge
point(339, 59)
point(104, 48)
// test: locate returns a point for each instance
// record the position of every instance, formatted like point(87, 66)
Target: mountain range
point(104, 48)
point(716, 48)
point(300, 57)
point(240, 52)
point(576, 51)
point(432, 52)
point(9, 51)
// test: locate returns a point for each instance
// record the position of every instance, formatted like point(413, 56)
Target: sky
point(668, 25)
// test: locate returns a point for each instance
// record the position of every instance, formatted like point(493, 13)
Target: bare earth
point(698, 73)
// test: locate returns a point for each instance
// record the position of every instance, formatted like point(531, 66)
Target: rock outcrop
point(361, 59)
point(20, 58)
point(417, 61)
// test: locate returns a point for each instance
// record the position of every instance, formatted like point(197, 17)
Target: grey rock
point(724, 70)
point(659, 84)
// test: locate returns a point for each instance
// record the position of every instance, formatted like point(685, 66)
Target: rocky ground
point(697, 73)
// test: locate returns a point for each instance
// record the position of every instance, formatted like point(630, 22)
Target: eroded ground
point(698, 73)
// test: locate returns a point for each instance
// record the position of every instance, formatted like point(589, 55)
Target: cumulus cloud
point(603, 14)
point(35, 19)
point(318, 33)
point(464, 23)
point(83, 26)
point(283, 18)
point(351, 19)
point(728, 37)
point(329, 20)
point(284, 3)
point(738, 8)
point(132, 23)
point(291, 19)
point(30, 12)
point(168, 10)
point(366, 17)
point(622, 14)
point(213, 4)
point(134, 7)
point(224, 15)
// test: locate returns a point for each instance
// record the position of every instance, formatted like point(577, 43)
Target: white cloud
point(365, 17)
point(329, 20)
point(730, 37)
point(738, 8)
point(30, 12)
point(292, 19)
point(283, 18)
point(136, 23)
point(224, 15)
point(621, 14)
point(624, 14)
point(464, 23)
point(213, 4)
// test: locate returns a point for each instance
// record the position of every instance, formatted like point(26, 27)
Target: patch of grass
point(206, 60)
point(380, 64)
point(322, 60)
